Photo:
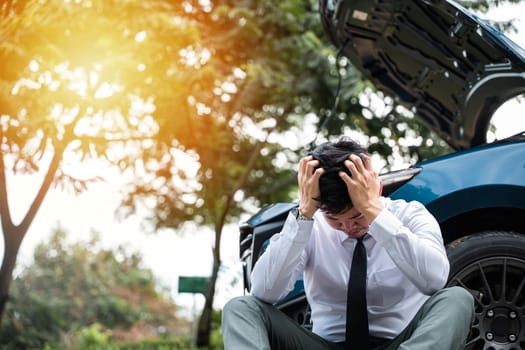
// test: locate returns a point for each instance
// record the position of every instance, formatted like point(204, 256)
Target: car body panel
point(464, 179)
point(452, 69)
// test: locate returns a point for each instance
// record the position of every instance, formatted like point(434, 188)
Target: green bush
point(76, 294)
point(93, 336)
point(159, 344)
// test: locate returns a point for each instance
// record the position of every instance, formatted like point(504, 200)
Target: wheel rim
point(498, 284)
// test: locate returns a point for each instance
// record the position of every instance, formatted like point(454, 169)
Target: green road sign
point(193, 284)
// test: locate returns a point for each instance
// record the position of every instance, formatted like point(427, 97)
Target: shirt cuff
point(297, 231)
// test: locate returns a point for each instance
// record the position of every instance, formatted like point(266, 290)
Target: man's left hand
point(364, 186)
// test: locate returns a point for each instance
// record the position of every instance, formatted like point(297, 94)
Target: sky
point(167, 253)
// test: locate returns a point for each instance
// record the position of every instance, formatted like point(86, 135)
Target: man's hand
point(364, 187)
point(308, 181)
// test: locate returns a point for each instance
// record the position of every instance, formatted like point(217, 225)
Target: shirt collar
point(341, 235)
point(344, 237)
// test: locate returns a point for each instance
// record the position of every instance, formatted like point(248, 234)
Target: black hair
point(334, 197)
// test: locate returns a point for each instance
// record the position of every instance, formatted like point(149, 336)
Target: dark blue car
point(453, 71)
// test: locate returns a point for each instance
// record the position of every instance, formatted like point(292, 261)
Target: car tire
point(492, 266)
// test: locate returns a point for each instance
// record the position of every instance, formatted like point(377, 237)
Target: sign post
point(194, 285)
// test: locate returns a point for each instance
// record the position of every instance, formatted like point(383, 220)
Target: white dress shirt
point(406, 260)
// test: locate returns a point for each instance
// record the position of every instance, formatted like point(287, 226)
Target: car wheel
point(492, 266)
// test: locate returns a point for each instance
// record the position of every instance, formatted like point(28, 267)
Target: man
point(341, 214)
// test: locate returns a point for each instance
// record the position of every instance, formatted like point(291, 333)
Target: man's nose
point(348, 224)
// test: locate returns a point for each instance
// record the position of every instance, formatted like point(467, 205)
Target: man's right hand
point(308, 181)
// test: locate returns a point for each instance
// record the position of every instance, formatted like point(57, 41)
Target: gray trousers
point(442, 323)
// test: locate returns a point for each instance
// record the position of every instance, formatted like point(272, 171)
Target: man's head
point(334, 198)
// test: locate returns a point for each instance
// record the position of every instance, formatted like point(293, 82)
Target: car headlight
point(395, 179)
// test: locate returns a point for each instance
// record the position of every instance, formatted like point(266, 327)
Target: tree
point(90, 81)
point(138, 85)
point(278, 73)
point(70, 286)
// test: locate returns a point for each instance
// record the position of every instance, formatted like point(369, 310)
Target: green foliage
point(158, 344)
point(272, 52)
point(80, 292)
point(93, 336)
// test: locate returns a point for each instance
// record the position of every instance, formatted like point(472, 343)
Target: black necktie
point(356, 314)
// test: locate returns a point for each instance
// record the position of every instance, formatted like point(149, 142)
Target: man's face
point(350, 221)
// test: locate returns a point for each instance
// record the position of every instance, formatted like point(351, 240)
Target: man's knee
point(240, 303)
point(460, 296)
point(241, 307)
point(459, 301)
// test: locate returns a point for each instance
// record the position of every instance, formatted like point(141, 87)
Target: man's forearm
point(276, 271)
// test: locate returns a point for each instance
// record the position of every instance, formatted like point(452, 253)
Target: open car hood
point(449, 67)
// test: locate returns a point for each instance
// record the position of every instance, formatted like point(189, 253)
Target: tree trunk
point(204, 326)
point(14, 234)
point(12, 241)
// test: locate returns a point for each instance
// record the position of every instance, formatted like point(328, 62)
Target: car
point(453, 70)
